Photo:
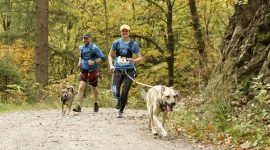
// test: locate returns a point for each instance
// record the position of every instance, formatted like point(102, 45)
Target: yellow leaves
point(52, 4)
point(21, 54)
point(231, 2)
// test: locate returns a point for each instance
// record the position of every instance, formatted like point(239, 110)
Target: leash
point(137, 81)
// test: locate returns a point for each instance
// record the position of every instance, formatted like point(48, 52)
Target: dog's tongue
point(169, 109)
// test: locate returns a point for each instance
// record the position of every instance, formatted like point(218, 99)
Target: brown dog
point(67, 98)
point(159, 99)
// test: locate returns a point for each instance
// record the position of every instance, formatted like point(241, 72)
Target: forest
point(183, 44)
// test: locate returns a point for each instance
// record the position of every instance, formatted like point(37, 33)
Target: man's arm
point(98, 54)
point(80, 61)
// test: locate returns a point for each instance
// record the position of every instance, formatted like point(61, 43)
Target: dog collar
point(163, 107)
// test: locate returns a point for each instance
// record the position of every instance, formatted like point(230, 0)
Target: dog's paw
point(164, 134)
point(154, 132)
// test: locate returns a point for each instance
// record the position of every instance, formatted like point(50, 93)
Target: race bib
point(122, 61)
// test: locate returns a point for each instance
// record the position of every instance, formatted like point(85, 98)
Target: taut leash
point(137, 81)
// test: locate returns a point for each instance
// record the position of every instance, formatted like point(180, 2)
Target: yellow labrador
point(159, 99)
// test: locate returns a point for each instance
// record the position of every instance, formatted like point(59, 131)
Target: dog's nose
point(173, 103)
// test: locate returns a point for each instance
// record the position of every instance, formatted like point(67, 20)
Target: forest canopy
point(154, 24)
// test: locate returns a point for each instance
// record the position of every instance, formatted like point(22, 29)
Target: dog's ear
point(177, 95)
point(172, 87)
point(62, 91)
point(163, 88)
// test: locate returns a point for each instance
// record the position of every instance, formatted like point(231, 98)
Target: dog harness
point(163, 108)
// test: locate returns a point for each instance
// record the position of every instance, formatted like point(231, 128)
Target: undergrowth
point(224, 119)
point(36, 97)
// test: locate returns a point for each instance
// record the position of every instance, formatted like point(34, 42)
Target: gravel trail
point(49, 130)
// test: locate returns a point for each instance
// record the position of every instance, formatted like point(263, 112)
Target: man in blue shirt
point(123, 64)
point(90, 56)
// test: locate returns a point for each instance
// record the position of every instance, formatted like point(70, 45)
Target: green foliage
point(9, 108)
point(219, 106)
point(245, 84)
point(242, 124)
point(70, 19)
point(9, 73)
point(251, 121)
point(11, 80)
point(18, 21)
point(251, 125)
point(213, 117)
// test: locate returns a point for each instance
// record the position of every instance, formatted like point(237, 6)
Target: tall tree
point(200, 44)
point(41, 42)
point(170, 42)
point(197, 29)
point(169, 37)
point(106, 23)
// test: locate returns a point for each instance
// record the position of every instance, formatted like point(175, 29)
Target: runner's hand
point(130, 60)
point(111, 68)
point(79, 64)
point(90, 62)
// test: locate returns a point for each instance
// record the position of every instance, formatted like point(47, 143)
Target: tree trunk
point(170, 44)
point(6, 17)
point(203, 74)
point(198, 31)
point(41, 42)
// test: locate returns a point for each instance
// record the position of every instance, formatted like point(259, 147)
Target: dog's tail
point(143, 93)
point(72, 89)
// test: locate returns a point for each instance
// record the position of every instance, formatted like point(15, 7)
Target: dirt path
point(48, 129)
